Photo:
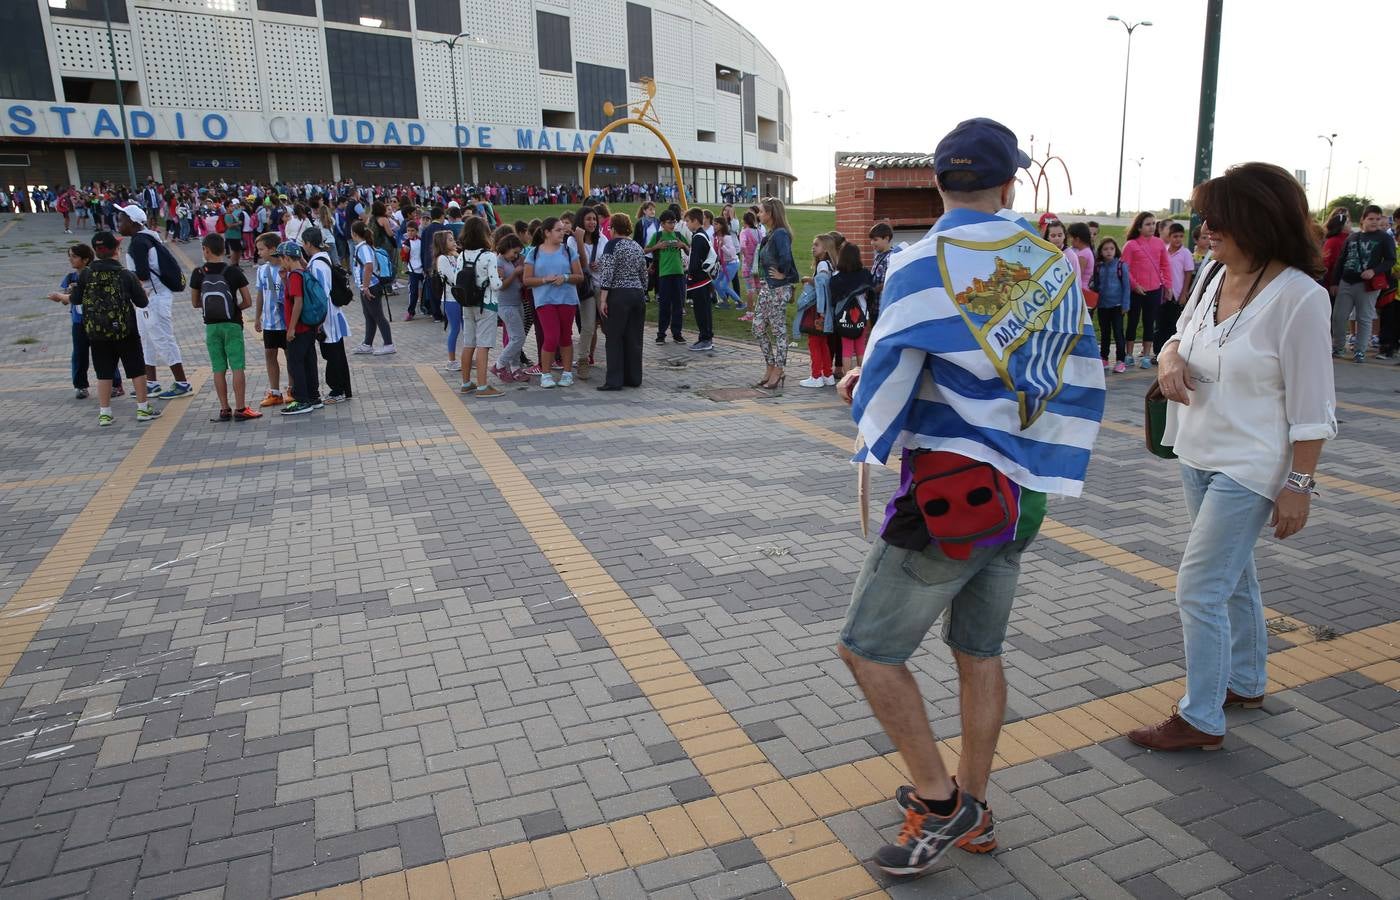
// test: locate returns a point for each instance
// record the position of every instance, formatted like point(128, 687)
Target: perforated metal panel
point(435, 80)
point(198, 60)
point(704, 115)
point(292, 48)
point(503, 23)
point(505, 86)
point(557, 92)
point(703, 60)
point(83, 50)
point(675, 103)
point(202, 6)
point(671, 37)
point(600, 31)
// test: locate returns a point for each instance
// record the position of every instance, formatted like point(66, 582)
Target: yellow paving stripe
point(784, 818)
point(1372, 410)
point(735, 768)
point(8, 225)
point(1096, 548)
point(23, 616)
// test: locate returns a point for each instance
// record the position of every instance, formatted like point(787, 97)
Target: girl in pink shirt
point(1150, 273)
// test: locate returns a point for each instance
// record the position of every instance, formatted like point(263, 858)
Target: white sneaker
point(385, 350)
point(453, 366)
point(829, 381)
point(814, 382)
point(566, 379)
point(546, 380)
point(363, 348)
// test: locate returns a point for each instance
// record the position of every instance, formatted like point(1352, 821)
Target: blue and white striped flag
point(984, 347)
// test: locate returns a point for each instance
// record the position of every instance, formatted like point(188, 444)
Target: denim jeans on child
point(1217, 591)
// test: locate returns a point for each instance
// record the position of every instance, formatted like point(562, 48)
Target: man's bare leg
point(982, 706)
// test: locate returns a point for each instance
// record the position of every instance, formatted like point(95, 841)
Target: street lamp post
point(121, 101)
point(1123, 135)
point(451, 46)
point(1139, 162)
point(1327, 184)
point(738, 77)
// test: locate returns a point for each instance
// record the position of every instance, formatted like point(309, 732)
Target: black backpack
point(468, 291)
point(850, 320)
point(341, 294)
point(106, 294)
point(168, 270)
point(216, 297)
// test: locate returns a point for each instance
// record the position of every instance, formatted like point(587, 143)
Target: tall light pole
point(1327, 184)
point(121, 100)
point(738, 77)
point(1123, 135)
point(1139, 180)
point(831, 174)
point(451, 46)
point(1360, 164)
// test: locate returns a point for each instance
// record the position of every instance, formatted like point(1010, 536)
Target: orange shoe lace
point(912, 828)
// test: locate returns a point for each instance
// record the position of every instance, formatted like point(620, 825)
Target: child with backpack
point(476, 289)
point(220, 290)
point(301, 348)
point(665, 247)
point(374, 272)
point(334, 331)
point(109, 296)
point(161, 278)
point(79, 257)
point(1115, 289)
point(700, 274)
point(851, 294)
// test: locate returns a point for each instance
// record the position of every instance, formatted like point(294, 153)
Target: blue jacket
point(819, 293)
point(776, 253)
point(1115, 290)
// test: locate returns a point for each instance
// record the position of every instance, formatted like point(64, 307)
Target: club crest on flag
point(1018, 298)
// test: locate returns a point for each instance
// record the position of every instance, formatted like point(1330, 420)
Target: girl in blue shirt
point(1115, 291)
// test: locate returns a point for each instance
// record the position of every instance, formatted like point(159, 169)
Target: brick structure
point(896, 188)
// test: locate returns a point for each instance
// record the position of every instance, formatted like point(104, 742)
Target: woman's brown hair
point(475, 235)
point(621, 225)
point(1264, 211)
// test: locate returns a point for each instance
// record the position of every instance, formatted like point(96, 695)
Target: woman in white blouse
point(1249, 379)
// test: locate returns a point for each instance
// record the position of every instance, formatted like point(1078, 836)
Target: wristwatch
point(1301, 482)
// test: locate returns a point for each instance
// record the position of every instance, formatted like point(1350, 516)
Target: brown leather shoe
point(1174, 734)
point(1233, 699)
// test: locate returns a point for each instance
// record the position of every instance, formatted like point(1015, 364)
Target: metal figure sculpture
point(641, 113)
point(1040, 177)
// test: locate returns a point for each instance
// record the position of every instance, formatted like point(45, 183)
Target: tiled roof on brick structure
point(884, 160)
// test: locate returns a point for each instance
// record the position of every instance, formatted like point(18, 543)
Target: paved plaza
point(571, 644)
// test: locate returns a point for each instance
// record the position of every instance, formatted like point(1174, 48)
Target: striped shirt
point(269, 285)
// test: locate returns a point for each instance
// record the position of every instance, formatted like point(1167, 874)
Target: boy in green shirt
point(670, 278)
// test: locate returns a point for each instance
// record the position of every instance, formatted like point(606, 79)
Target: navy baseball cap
point(983, 147)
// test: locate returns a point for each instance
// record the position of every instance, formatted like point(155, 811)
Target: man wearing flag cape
point(983, 383)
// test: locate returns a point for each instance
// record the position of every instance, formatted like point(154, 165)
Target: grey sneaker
point(984, 841)
point(924, 838)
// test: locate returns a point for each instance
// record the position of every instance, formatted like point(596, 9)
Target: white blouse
point(1263, 382)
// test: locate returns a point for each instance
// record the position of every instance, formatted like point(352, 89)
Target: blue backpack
point(314, 302)
point(383, 265)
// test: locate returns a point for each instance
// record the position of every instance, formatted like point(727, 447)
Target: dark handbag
point(1154, 423)
point(811, 322)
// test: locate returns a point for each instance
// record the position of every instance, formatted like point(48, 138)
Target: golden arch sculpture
point(640, 113)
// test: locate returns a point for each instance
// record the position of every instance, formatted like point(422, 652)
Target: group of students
point(840, 302)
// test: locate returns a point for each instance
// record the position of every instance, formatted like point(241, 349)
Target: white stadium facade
point(310, 90)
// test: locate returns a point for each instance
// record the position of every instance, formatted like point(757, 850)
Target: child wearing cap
point(666, 246)
point(156, 323)
point(220, 290)
point(112, 295)
point(301, 348)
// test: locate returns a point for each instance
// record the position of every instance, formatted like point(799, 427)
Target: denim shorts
point(899, 594)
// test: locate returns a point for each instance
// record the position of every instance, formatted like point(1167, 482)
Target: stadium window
point(555, 50)
point(639, 48)
point(289, 7)
point(388, 89)
point(390, 14)
point(441, 16)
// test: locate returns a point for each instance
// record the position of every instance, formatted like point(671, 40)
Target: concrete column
point(272, 166)
point(631, 173)
point(544, 172)
point(476, 171)
point(155, 166)
point(70, 157)
point(335, 167)
point(427, 171)
point(579, 178)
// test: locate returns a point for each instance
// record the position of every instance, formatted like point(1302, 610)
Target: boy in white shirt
point(414, 245)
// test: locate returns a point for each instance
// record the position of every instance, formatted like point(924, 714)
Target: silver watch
point(1301, 482)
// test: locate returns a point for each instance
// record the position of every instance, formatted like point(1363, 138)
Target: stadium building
point(310, 90)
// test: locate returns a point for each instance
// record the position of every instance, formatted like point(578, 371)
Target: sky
point(896, 76)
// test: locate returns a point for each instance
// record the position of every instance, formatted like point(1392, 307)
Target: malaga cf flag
point(984, 348)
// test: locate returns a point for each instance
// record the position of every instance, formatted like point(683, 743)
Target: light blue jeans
point(1217, 591)
point(724, 284)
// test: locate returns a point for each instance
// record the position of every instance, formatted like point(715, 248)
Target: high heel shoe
point(761, 383)
point(775, 386)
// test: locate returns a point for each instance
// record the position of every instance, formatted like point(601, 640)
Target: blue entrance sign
point(216, 163)
point(510, 167)
point(381, 164)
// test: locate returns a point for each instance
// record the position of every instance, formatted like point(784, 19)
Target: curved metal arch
point(598, 142)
